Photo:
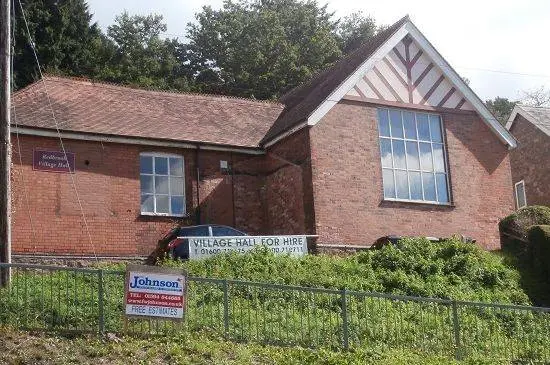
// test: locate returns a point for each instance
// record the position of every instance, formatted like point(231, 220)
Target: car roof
point(208, 225)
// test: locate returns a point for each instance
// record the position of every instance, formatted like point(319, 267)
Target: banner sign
point(53, 161)
point(203, 247)
point(152, 291)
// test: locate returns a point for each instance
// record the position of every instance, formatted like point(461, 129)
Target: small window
point(521, 200)
point(162, 184)
point(412, 150)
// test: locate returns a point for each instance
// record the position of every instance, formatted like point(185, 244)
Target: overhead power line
point(62, 144)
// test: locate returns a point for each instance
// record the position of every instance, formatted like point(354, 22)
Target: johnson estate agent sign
point(203, 247)
point(155, 292)
point(53, 161)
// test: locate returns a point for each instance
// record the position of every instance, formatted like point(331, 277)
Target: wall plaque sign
point(53, 161)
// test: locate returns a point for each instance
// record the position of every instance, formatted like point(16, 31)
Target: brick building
point(389, 140)
point(530, 166)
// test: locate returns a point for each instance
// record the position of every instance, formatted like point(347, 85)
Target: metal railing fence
point(57, 298)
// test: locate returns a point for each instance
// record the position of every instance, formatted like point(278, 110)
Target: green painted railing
point(64, 299)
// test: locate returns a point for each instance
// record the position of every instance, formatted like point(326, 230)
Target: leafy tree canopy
point(250, 48)
point(501, 108)
point(258, 48)
point(65, 39)
point(354, 30)
point(135, 53)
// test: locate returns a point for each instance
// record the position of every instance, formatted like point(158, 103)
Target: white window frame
point(164, 155)
point(521, 182)
point(407, 169)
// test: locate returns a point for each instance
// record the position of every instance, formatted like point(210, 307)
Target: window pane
point(442, 193)
point(416, 185)
point(435, 128)
point(176, 186)
point(161, 184)
point(429, 186)
point(396, 124)
point(399, 154)
point(423, 127)
point(401, 185)
point(176, 203)
point(410, 125)
point(520, 193)
point(162, 203)
point(147, 204)
point(412, 156)
point(161, 165)
point(426, 157)
point(176, 166)
point(146, 164)
point(383, 122)
point(146, 182)
point(389, 189)
point(439, 160)
point(385, 152)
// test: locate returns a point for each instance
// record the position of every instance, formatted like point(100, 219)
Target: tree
point(65, 39)
point(536, 97)
point(136, 54)
point(259, 48)
point(354, 30)
point(501, 108)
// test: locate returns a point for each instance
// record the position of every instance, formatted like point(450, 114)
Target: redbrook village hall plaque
point(53, 161)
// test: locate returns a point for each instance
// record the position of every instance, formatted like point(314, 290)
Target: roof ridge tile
point(154, 90)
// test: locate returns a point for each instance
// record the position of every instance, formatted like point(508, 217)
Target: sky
point(500, 46)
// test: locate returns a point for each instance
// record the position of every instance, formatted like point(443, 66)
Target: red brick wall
point(110, 195)
point(289, 198)
point(347, 181)
point(530, 161)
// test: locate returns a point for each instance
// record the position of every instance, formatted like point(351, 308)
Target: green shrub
point(518, 223)
point(539, 239)
point(415, 266)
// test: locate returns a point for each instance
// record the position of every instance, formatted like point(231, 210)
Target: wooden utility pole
point(5, 141)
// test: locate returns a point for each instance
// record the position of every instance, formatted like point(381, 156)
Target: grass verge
point(38, 348)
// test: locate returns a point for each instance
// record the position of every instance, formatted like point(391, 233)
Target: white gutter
point(130, 140)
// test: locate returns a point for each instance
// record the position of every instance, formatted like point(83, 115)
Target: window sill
point(418, 202)
point(161, 215)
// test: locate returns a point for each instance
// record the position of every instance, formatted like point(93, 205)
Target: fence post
point(456, 331)
point(226, 309)
point(101, 309)
point(345, 334)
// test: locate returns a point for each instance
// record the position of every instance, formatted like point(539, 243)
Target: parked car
point(178, 248)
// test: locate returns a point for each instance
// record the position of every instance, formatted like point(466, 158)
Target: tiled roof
point(540, 117)
point(93, 107)
point(86, 106)
point(304, 99)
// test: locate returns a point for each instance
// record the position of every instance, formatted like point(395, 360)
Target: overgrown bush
point(519, 222)
point(539, 239)
point(415, 266)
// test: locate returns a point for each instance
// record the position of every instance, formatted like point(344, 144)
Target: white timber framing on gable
point(453, 93)
point(406, 75)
